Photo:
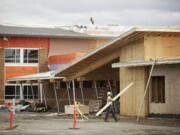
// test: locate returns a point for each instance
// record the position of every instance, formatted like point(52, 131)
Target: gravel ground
point(43, 124)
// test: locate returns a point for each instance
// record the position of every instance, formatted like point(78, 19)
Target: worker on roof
point(110, 109)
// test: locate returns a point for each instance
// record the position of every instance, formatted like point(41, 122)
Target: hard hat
point(109, 93)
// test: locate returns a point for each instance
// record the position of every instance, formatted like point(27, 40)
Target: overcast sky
point(69, 12)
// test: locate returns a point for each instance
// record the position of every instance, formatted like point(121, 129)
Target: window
point(21, 56)
point(30, 56)
point(27, 92)
point(12, 92)
point(158, 89)
point(12, 55)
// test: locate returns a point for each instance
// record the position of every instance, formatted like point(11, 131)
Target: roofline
point(34, 79)
point(95, 51)
point(59, 36)
point(123, 35)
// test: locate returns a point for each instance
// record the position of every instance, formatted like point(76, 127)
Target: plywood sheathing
point(130, 101)
point(1, 75)
point(90, 65)
point(161, 47)
point(103, 73)
point(172, 92)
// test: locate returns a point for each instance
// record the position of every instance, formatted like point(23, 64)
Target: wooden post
point(32, 92)
point(21, 92)
point(40, 92)
point(96, 90)
point(68, 87)
point(146, 89)
point(44, 97)
point(55, 92)
point(81, 88)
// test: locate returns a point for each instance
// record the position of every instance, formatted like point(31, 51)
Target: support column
point(81, 88)
point(32, 92)
point(68, 87)
point(74, 94)
point(44, 96)
point(21, 92)
point(96, 90)
point(40, 92)
point(55, 92)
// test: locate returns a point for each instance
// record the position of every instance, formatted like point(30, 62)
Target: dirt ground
point(45, 124)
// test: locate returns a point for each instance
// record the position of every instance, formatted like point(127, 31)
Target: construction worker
point(110, 109)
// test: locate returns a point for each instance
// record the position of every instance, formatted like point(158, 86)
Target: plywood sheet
point(130, 101)
point(161, 47)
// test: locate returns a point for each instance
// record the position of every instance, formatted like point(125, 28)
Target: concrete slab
point(35, 124)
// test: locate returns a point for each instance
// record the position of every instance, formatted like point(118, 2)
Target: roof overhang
point(145, 63)
point(35, 77)
point(112, 46)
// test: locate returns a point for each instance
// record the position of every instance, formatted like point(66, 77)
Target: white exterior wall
point(172, 90)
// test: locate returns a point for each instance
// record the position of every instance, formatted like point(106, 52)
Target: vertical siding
point(130, 101)
point(161, 47)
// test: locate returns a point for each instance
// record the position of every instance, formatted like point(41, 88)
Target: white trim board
point(145, 63)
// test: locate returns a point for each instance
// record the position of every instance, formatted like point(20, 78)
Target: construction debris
point(84, 109)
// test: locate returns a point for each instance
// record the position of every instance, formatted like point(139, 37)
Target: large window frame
point(25, 57)
point(26, 93)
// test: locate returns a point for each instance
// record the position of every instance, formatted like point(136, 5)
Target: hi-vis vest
point(109, 99)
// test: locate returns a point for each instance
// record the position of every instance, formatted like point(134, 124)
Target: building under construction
point(150, 58)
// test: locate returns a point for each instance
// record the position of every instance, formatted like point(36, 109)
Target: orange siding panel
point(15, 71)
point(25, 42)
point(61, 59)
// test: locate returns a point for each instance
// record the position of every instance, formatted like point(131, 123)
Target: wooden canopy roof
point(110, 51)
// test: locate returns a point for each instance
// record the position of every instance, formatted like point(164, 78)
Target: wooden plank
point(115, 98)
point(146, 89)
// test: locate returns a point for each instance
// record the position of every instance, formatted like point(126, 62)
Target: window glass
point(28, 92)
point(30, 56)
point(15, 56)
point(12, 92)
point(12, 55)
